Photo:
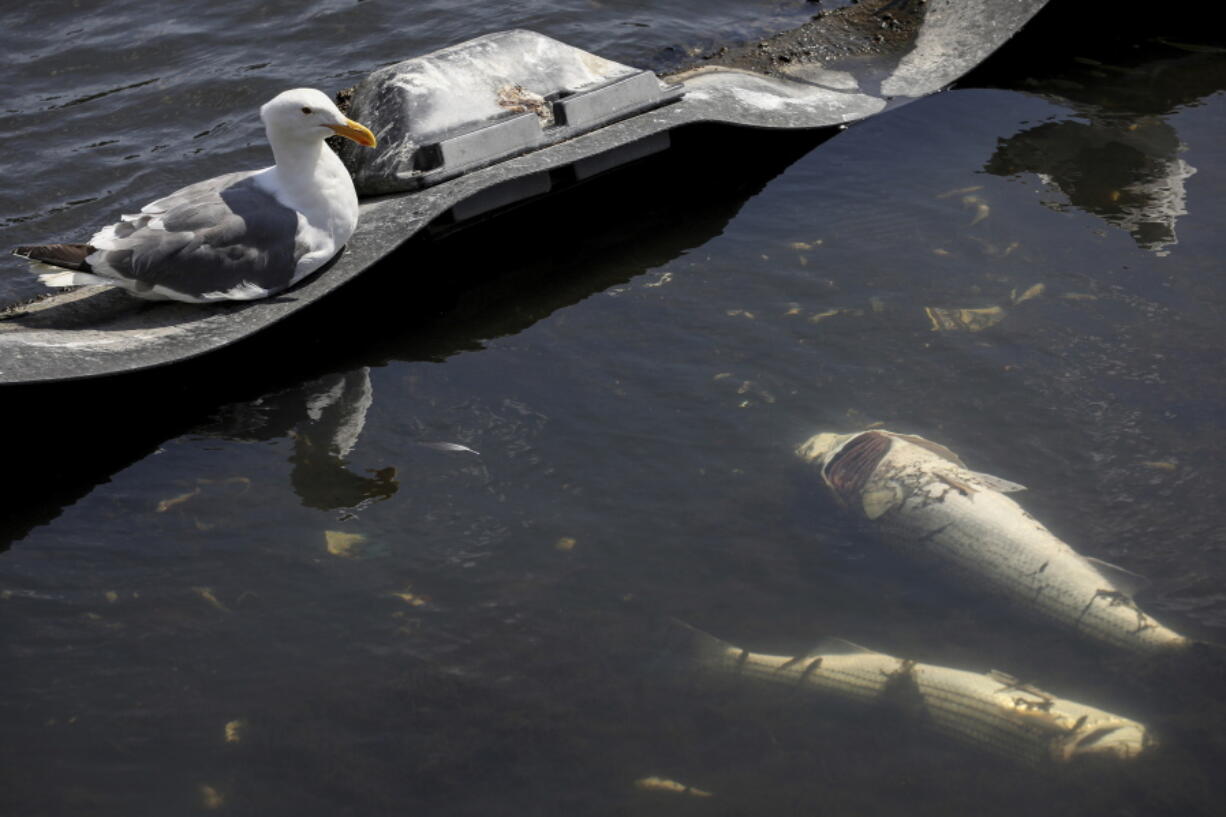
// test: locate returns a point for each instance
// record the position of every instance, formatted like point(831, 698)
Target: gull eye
point(306, 110)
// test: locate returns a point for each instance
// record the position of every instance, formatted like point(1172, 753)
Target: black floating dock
point(488, 122)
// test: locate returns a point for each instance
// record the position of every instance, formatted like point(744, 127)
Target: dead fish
point(341, 543)
point(456, 447)
point(1033, 292)
point(167, 504)
point(656, 783)
point(927, 502)
point(210, 797)
point(234, 730)
point(970, 320)
point(982, 208)
point(961, 191)
point(206, 593)
point(991, 711)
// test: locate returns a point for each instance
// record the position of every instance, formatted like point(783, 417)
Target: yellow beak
point(358, 133)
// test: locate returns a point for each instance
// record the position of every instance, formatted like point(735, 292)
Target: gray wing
point(209, 237)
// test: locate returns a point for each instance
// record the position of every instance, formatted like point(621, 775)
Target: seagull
point(237, 237)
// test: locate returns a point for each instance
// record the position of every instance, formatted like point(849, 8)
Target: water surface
point(263, 588)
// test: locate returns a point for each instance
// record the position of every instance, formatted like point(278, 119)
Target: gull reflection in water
point(1119, 155)
point(1127, 171)
point(324, 417)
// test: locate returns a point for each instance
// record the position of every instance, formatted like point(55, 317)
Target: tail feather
point(66, 256)
point(67, 278)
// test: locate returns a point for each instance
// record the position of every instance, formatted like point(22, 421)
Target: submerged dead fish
point(991, 711)
point(928, 502)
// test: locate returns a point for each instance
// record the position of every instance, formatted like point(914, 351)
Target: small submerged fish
point(655, 783)
point(456, 447)
point(927, 502)
point(991, 711)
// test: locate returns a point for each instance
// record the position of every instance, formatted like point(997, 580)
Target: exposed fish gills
point(928, 503)
point(991, 711)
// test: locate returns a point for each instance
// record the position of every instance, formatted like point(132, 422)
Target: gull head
point(305, 114)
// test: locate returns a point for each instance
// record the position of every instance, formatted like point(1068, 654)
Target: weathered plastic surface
point(96, 331)
point(482, 101)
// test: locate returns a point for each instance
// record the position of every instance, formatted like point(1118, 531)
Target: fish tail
point(690, 649)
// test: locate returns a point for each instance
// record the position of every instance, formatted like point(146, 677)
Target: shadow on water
point(324, 417)
point(434, 298)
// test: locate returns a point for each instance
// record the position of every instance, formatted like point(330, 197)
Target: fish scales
point(950, 704)
point(963, 707)
point(983, 710)
point(855, 679)
point(927, 503)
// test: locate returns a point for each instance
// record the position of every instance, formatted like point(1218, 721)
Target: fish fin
point(998, 484)
point(1124, 580)
point(838, 646)
point(696, 647)
point(1003, 678)
point(1003, 486)
point(936, 448)
point(1012, 682)
point(822, 447)
point(881, 501)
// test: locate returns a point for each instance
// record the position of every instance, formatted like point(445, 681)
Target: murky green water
point(269, 593)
